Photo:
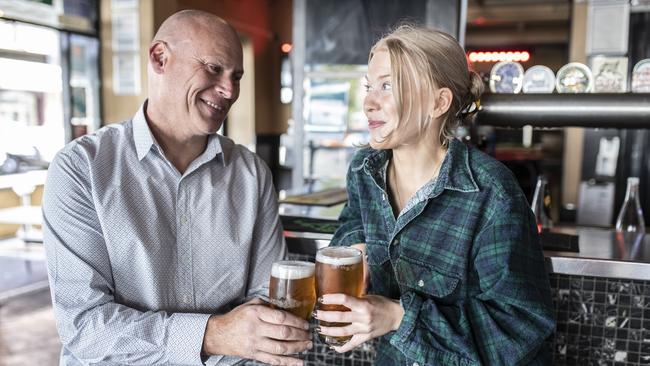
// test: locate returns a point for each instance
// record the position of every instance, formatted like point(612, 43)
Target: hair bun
point(476, 86)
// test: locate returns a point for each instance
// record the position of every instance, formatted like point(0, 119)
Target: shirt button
point(421, 283)
point(186, 299)
point(416, 364)
point(183, 219)
point(383, 197)
point(396, 242)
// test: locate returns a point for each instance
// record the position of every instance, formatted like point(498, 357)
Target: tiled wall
point(601, 321)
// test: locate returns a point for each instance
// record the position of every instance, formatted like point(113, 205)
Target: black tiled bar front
point(601, 321)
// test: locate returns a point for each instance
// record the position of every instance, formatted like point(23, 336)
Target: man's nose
point(225, 87)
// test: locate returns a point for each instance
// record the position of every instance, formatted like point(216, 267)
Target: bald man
point(159, 231)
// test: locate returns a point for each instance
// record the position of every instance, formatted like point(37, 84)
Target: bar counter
point(601, 293)
point(600, 254)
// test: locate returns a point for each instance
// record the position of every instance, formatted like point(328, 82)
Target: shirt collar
point(144, 139)
point(142, 136)
point(455, 173)
point(212, 150)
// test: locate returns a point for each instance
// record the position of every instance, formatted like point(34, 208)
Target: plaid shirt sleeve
point(351, 229)
point(512, 315)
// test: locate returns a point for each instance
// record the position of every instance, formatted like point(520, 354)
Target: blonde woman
point(456, 273)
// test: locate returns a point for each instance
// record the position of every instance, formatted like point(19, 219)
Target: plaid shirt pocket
point(426, 280)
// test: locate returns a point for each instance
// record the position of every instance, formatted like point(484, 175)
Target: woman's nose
point(370, 102)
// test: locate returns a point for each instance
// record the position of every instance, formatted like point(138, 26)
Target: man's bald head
point(186, 26)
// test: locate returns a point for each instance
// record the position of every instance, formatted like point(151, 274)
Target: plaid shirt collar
point(454, 174)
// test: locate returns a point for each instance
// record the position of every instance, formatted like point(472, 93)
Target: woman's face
point(379, 104)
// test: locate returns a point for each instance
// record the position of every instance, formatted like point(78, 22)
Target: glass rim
point(344, 256)
point(292, 270)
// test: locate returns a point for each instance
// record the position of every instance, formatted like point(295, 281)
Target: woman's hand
point(371, 316)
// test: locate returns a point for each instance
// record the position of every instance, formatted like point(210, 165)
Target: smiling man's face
point(201, 77)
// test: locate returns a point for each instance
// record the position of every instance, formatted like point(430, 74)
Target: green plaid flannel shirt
point(463, 257)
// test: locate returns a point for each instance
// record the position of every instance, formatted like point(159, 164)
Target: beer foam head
point(339, 256)
point(292, 270)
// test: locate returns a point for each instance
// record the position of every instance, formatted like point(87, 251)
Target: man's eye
point(214, 69)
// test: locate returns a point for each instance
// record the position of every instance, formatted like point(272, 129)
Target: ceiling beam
point(486, 37)
point(498, 14)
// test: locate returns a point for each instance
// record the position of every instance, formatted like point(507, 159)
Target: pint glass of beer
point(293, 288)
point(339, 270)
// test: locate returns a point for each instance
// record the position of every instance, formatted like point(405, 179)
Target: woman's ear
point(158, 56)
point(443, 98)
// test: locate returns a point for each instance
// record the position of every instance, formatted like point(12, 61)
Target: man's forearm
point(117, 333)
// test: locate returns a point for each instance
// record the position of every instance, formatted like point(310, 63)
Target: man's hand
point(254, 330)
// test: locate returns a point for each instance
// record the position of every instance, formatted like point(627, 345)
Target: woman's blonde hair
point(423, 60)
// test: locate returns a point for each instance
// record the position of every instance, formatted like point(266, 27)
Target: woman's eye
point(366, 87)
point(386, 86)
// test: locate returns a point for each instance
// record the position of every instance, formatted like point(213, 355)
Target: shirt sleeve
point(268, 240)
point(92, 326)
point(512, 315)
point(510, 312)
point(351, 230)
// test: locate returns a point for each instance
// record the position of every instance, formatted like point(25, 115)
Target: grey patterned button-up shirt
point(140, 255)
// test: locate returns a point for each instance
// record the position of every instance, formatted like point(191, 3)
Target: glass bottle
point(541, 204)
point(630, 218)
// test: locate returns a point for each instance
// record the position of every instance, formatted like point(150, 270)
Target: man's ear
point(443, 99)
point(158, 56)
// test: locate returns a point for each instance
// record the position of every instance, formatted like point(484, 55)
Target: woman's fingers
point(335, 316)
point(357, 340)
point(359, 311)
point(346, 330)
point(348, 301)
point(369, 316)
point(336, 331)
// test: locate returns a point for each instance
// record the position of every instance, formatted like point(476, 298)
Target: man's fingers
point(280, 317)
point(277, 360)
point(275, 347)
point(282, 332)
point(255, 301)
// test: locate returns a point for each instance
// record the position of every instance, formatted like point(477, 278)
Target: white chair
point(26, 215)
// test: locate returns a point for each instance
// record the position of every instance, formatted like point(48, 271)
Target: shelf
point(565, 110)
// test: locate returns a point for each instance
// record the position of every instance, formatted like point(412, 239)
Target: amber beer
point(293, 288)
point(338, 270)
